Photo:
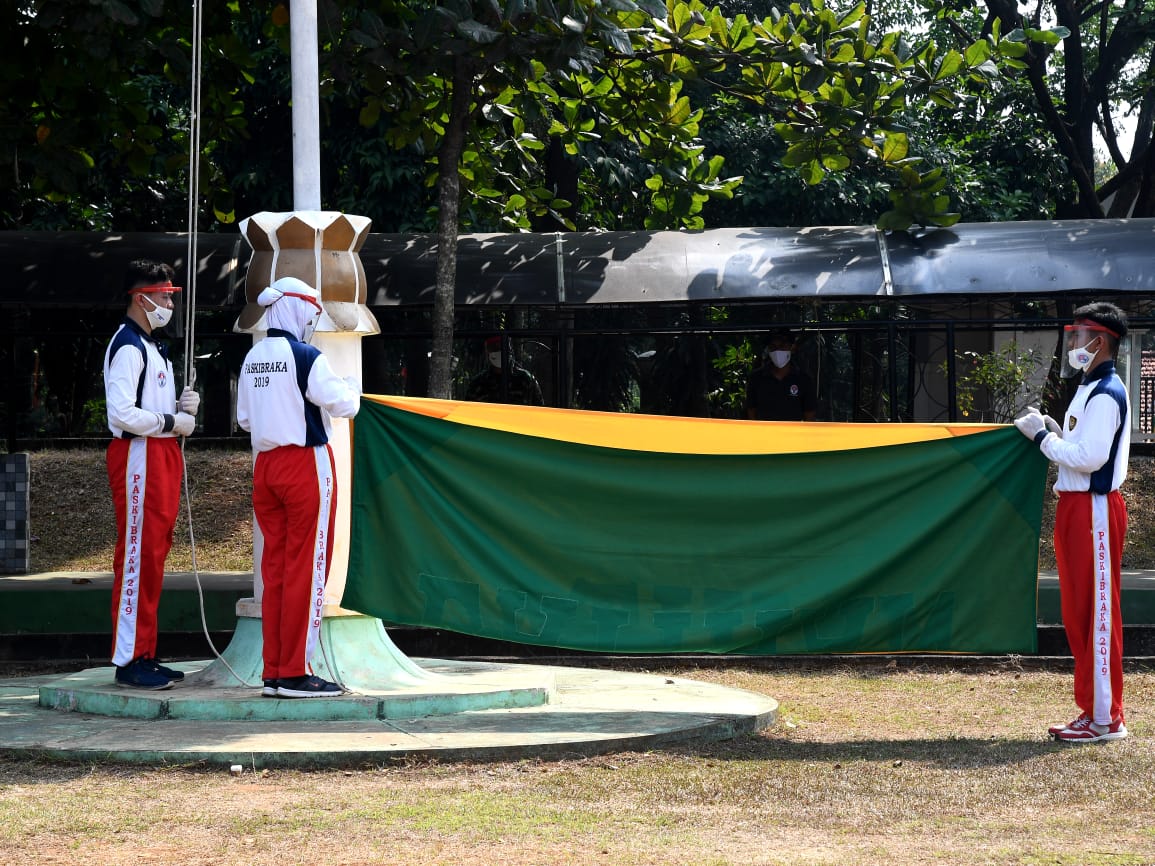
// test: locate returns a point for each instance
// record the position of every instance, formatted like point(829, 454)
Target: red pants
point(144, 475)
point(1089, 530)
point(294, 500)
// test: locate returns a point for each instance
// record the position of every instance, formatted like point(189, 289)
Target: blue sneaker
point(169, 673)
point(139, 674)
point(269, 690)
point(308, 687)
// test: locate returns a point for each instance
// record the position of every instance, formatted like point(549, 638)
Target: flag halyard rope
point(191, 268)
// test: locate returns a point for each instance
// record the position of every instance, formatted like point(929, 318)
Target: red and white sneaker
point(1083, 730)
point(1053, 730)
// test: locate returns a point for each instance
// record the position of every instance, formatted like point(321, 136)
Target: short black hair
point(146, 272)
point(780, 335)
point(1107, 315)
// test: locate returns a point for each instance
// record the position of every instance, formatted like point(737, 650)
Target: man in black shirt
point(778, 391)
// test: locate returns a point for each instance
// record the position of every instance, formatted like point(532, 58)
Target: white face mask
point(780, 358)
point(158, 316)
point(495, 358)
point(1080, 359)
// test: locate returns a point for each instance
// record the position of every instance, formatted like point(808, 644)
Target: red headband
point(166, 286)
point(311, 300)
point(1090, 326)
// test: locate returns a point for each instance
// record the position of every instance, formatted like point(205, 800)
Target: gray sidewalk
point(586, 712)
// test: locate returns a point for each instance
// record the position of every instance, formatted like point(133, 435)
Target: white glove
point(189, 401)
point(1052, 424)
point(1030, 424)
point(183, 424)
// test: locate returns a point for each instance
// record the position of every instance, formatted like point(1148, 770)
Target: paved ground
point(533, 709)
point(587, 711)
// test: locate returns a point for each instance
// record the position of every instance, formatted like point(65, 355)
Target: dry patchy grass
point(866, 765)
point(1139, 494)
point(73, 527)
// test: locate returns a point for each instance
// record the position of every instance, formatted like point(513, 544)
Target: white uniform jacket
point(139, 391)
point(1093, 451)
point(287, 391)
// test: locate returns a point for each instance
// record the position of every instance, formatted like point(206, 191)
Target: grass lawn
point(870, 764)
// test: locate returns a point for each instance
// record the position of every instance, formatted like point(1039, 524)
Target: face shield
point(1084, 342)
point(493, 351)
point(163, 307)
point(309, 326)
point(318, 320)
point(176, 327)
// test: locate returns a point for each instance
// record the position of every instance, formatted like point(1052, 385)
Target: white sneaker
point(1053, 730)
point(1083, 730)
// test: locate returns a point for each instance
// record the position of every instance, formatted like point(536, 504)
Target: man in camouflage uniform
point(497, 385)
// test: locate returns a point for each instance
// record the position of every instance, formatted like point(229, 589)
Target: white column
point(320, 248)
point(343, 351)
point(306, 105)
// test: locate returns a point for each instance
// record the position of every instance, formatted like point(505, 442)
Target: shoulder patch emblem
point(1071, 422)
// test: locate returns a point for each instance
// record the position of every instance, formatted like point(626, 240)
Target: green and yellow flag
point(645, 534)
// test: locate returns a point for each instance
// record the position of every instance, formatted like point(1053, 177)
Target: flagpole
point(305, 71)
point(321, 248)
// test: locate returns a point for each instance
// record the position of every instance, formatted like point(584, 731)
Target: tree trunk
point(561, 176)
point(448, 204)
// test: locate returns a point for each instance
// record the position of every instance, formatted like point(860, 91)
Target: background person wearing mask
point(494, 385)
point(287, 393)
point(145, 467)
point(778, 391)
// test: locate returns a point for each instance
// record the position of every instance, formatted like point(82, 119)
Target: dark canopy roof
point(48, 268)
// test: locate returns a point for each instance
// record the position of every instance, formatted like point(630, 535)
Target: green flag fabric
point(922, 546)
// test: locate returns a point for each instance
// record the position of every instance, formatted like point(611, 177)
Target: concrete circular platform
point(206, 694)
point(585, 711)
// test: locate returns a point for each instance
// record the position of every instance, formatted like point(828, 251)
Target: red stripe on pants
point(1091, 614)
point(144, 475)
point(294, 501)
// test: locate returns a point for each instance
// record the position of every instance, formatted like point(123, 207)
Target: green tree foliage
point(737, 359)
point(521, 104)
point(1000, 162)
point(361, 172)
point(1092, 73)
point(94, 111)
point(94, 117)
point(518, 114)
point(997, 385)
point(120, 161)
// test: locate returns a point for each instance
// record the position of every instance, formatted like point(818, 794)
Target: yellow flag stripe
point(675, 434)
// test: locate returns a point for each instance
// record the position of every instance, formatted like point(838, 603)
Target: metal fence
point(889, 361)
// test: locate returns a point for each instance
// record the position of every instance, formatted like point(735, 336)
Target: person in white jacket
point(1091, 450)
point(286, 395)
point(145, 467)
